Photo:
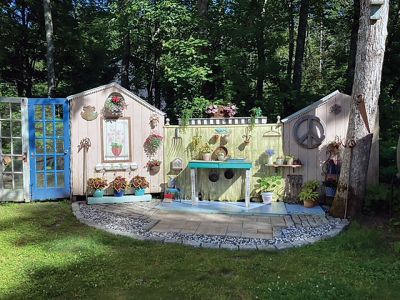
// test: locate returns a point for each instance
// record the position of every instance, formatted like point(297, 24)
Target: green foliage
point(382, 199)
point(271, 184)
point(309, 191)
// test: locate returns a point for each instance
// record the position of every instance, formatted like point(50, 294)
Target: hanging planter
point(115, 105)
point(154, 120)
point(152, 143)
point(154, 165)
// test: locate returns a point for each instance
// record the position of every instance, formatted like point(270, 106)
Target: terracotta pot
point(116, 151)
point(309, 203)
point(155, 169)
point(207, 156)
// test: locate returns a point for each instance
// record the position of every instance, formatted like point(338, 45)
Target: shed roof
point(312, 106)
point(123, 90)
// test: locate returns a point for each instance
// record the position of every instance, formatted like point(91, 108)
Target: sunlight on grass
point(47, 253)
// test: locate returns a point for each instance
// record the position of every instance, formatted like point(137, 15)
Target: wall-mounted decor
point(152, 143)
point(115, 105)
point(116, 144)
point(89, 113)
point(336, 109)
point(154, 120)
point(177, 164)
point(309, 132)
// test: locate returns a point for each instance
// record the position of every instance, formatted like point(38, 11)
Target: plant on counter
point(270, 153)
point(206, 151)
point(280, 160)
point(119, 184)
point(270, 185)
point(309, 194)
point(152, 143)
point(139, 183)
point(289, 159)
point(98, 185)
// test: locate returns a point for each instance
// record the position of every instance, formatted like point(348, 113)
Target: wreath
point(115, 104)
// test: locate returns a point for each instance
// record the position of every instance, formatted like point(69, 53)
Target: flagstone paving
point(146, 221)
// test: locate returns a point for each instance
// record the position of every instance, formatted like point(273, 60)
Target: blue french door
point(49, 147)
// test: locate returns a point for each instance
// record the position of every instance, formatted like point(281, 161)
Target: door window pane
point(49, 163)
point(39, 146)
point(17, 164)
point(60, 163)
point(60, 180)
point(38, 112)
point(16, 128)
point(17, 146)
point(59, 112)
point(49, 146)
point(40, 180)
point(18, 181)
point(7, 163)
point(60, 146)
point(38, 129)
point(5, 128)
point(49, 129)
point(6, 145)
point(59, 129)
point(7, 180)
point(49, 112)
point(16, 111)
point(4, 110)
point(40, 164)
point(50, 179)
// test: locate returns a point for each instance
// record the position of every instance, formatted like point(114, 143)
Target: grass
point(46, 253)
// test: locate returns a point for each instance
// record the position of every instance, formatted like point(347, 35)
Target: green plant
point(119, 183)
point(139, 182)
point(377, 199)
point(255, 112)
point(115, 104)
point(309, 191)
point(205, 148)
point(270, 183)
point(152, 143)
point(185, 117)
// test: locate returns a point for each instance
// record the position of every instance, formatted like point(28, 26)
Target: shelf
point(285, 166)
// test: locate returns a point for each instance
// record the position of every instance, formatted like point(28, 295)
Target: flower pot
point(289, 161)
point(119, 194)
point(139, 192)
point(207, 156)
point(330, 191)
point(155, 169)
point(267, 197)
point(279, 161)
point(116, 151)
point(98, 193)
point(270, 160)
point(309, 203)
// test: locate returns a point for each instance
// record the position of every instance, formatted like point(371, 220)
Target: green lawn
point(46, 253)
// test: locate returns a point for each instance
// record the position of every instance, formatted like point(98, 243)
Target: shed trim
point(312, 106)
point(124, 90)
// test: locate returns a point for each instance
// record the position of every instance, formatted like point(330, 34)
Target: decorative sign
point(177, 164)
point(116, 144)
point(89, 113)
point(309, 132)
point(336, 109)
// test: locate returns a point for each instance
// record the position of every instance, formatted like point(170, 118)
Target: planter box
point(123, 199)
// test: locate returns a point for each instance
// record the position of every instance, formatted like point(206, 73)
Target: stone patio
point(146, 221)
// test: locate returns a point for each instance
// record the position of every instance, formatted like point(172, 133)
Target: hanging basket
point(114, 105)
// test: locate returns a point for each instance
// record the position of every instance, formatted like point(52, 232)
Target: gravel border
point(138, 228)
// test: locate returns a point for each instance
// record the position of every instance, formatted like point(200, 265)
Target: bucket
point(139, 192)
point(267, 197)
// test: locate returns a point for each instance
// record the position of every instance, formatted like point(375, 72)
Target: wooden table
point(227, 164)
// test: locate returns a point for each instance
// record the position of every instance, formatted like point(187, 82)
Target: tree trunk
point(261, 64)
point(291, 41)
point(126, 61)
point(48, 22)
point(353, 46)
point(300, 46)
point(366, 87)
point(202, 7)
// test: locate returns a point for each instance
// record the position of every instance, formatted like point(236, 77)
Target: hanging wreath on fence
point(115, 105)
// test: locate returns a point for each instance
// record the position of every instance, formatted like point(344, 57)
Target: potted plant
point(269, 185)
point(154, 119)
point(154, 165)
point(309, 193)
point(280, 160)
point(115, 104)
point(289, 159)
point(215, 111)
point(330, 187)
point(119, 184)
point(230, 110)
point(139, 183)
point(270, 153)
point(98, 185)
point(152, 143)
point(206, 151)
point(116, 149)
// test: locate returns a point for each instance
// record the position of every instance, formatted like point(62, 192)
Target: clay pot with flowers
point(119, 184)
point(154, 165)
point(98, 185)
point(115, 105)
point(139, 183)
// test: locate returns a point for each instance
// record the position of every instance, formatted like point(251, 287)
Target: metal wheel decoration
point(311, 138)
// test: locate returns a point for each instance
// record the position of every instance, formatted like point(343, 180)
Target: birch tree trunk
point(48, 22)
point(367, 80)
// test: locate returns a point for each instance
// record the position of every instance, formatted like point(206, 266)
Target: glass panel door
point(49, 147)
point(12, 150)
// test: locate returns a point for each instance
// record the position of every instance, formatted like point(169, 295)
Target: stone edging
point(340, 225)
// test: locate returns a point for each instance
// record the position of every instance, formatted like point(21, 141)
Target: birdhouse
point(376, 9)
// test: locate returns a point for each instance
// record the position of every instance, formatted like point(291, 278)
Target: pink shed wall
point(335, 125)
point(140, 129)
